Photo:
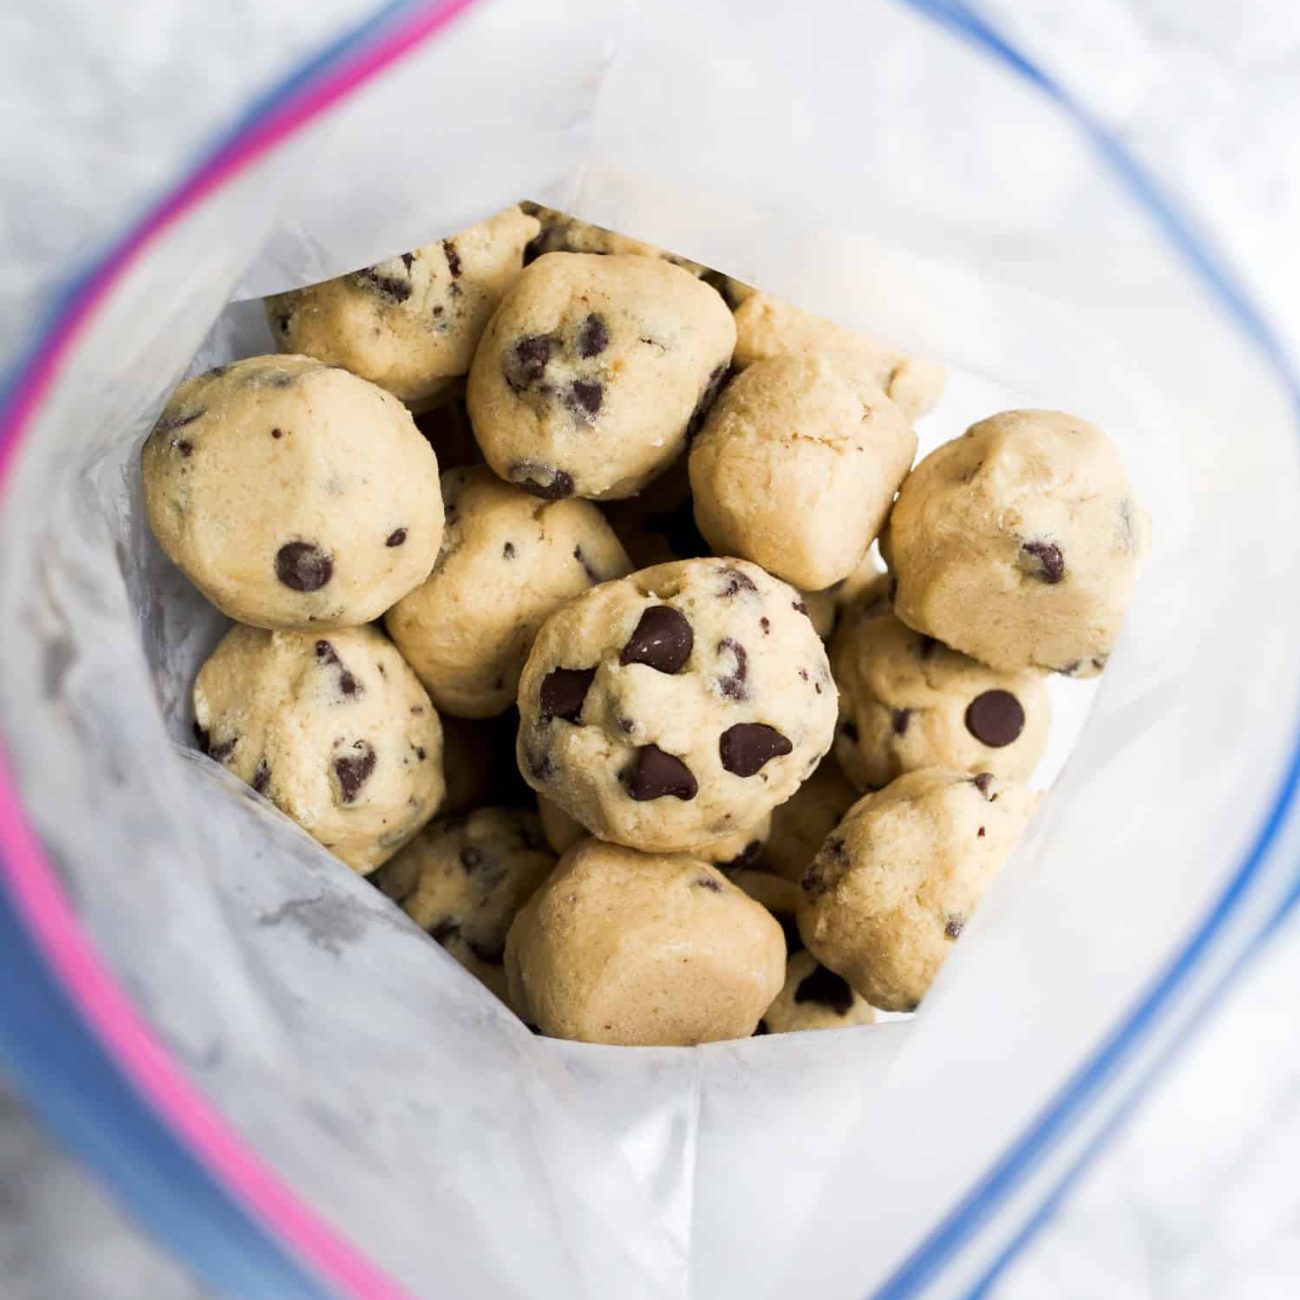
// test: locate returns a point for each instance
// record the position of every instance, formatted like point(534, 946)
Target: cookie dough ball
point(805, 819)
point(463, 879)
point(767, 327)
point(796, 467)
point(813, 997)
point(895, 882)
point(561, 233)
point(1019, 543)
point(478, 761)
point(410, 323)
point(507, 562)
point(675, 706)
point(907, 701)
point(622, 947)
point(293, 494)
point(589, 374)
point(336, 731)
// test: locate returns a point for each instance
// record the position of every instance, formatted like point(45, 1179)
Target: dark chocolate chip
point(453, 258)
point(326, 654)
point(593, 338)
point(563, 692)
point(954, 926)
point(396, 537)
point(490, 954)
point(261, 775)
point(1051, 563)
point(354, 769)
point(184, 446)
point(408, 260)
point(802, 608)
point(526, 361)
point(223, 749)
point(707, 882)
point(661, 640)
point(748, 746)
point(586, 397)
point(827, 989)
point(712, 387)
point(277, 433)
point(766, 624)
point(995, 718)
point(983, 782)
point(592, 575)
point(508, 551)
point(378, 281)
point(979, 834)
point(471, 857)
point(420, 754)
point(541, 480)
point(790, 928)
point(303, 566)
point(444, 929)
point(898, 721)
point(733, 685)
point(654, 775)
point(734, 582)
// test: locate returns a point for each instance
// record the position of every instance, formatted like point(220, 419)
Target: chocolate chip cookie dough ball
point(796, 467)
point(813, 997)
point(621, 947)
point(895, 882)
point(335, 730)
point(805, 819)
point(463, 879)
point(561, 233)
point(767, 327)
point(907, 701)
point(1019, 543)
point(589, 374)
point(293, 494)
point(410, 323)
point(507, 562)
point(677, 705)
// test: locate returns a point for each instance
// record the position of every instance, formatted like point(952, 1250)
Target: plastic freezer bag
point(325, 1098)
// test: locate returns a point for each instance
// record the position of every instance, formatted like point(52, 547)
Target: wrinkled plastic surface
point(810, 154)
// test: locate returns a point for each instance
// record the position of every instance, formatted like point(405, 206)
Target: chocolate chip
point(654, 774)
point(261, 775)
point(713, 386)
point(490, 954)
point(734, 582)
point(184, 446)
point(586, 397)
point(733, 685)
point(802, 608)
point(983, 782)
point(563, 692)
point(995, 718)
point(526, 362)
point(378, 281)
point(592, 575)
point(827, 989)
point(396, 537)
point(444, 929)
point(593, 338)
point(1051, 563)
point(420, 754)
point(790, 928)
point(954, 926)
point(353, 769)
point(453, 258)
point(661, 640)
point(408, 260)
point(898, 721)
point(223, 749)
point(326, 654)
point(979, 834)
point(748, 746)
point(707, 882)
point(541, 480)
point(508, 551)
point(277, 433)
point(766, 624)
point(303, 566)
point(471, 857)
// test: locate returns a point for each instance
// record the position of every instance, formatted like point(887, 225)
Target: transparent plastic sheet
point(386, 1087)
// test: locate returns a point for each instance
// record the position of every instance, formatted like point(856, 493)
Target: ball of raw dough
point(589, 374)
point(805, 819)
point(1019, 543)
point(335, 730)
point(463, 879)
point(293, 494)
point(796, 467)
point(813, 997)
point(561, 233)
point(507, 562)
point(768, 327)
point(410, 323)
point(896, 881)
point(622, 947)
point(670, 708)
point(907, 701)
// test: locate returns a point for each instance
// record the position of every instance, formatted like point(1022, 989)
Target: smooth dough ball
point(622, 947)
point(672, 707)
point(411, 323)
point(463, 879)
point(768, 327)
point(907, 701)
point(478, 761)
point(896, 881)
point(796, 467)
point(562, 233)
point(1019, 543)
point(293, 494)
point(507, 562)
point(805, 819)
point(590, 372)
point(336, 731)
point(813, 997)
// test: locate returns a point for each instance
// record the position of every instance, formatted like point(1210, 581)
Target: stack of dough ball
point(897, 880)
point(561, 233)
point(675, 706)
point(813, 997)
point(623, 947)
point(1019, 543)
point(507, 562)
point(463, 879)
point(590, 371)
point(796, 467)
point(411, 323)
point(767, 327)
point(335, 730)
point(293, 494)
point(906, 702)
point(805, 819)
